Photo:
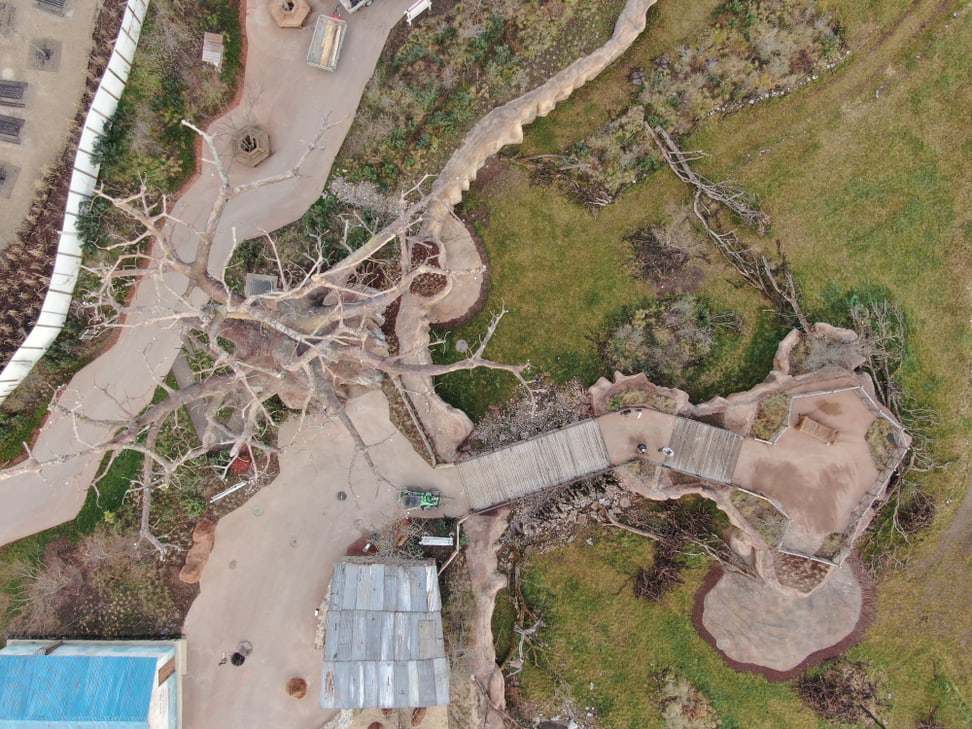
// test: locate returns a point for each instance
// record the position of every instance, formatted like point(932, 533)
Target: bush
point(842, 692)
point(90, 223)
point(664, 338)
point(754, 48)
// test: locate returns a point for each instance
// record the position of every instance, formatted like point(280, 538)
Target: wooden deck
point(704, 451)
point(533, 465)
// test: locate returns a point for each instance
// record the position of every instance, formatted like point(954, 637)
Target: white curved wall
point(84, 177)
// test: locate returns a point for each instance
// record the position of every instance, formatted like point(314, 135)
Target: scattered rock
point(342, 721)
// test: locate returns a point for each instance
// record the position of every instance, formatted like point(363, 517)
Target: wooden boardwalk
point(532, 465)
point(704, 451)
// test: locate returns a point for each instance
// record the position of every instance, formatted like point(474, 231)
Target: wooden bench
point(52, 6)
point(212, 51)
point(12, 93)
point(818, 430)
point(10, 129)
point(416, 9)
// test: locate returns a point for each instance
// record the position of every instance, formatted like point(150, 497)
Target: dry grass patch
point(770, 417)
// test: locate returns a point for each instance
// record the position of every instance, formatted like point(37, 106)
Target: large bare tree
point(311, 342)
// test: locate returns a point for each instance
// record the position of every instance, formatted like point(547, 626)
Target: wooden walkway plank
point(704, 451)
point(523, 468)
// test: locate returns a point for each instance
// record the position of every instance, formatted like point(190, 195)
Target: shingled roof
point(383, 646)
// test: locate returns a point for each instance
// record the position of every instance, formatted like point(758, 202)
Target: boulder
point(203, 536)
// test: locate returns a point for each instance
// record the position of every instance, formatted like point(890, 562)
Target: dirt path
point(272, 563)
point(292, 101)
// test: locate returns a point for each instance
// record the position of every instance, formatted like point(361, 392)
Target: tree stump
point(297, 688)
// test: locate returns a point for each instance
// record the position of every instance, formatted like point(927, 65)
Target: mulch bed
point(480, 302)
point(427, 284)
point(868, 609)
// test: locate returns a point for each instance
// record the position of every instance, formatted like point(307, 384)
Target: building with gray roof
point(383, 646)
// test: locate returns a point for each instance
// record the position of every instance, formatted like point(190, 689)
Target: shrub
point(842, 692)
point(664, 338)
point(754, 48)
point(89, 222)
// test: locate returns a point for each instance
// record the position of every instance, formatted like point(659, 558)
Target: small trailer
point(353, 6)
point(326, 43)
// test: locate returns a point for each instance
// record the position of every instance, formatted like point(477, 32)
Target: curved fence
point(84, 177)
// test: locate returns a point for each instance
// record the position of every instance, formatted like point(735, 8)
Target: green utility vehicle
point(414, 499)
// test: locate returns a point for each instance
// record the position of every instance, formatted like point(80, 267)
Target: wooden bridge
point(704, 451)
point(580, 450)
point(532, 465)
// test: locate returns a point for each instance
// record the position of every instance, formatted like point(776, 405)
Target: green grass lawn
point(867, 182)
point(610, 647)
point(560, 273)
point(865, 176)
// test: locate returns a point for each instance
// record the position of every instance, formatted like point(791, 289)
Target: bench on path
point(818, 430)
point(12, 93)
point(51, 6)
point(416, 9)
point(10, 129)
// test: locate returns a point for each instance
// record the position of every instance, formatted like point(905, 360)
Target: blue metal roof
point(93, 692)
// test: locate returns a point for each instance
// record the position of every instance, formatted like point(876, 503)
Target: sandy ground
point(52, 96)
point(623, 433)
point(818, 485)
point(755, 624)
point(292, 101)
point(272, 562)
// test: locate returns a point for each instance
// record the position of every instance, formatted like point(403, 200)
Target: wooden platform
point(704, 451)
point(212, 51)
point(12, 93)
point(532, 465)
point(384, 646)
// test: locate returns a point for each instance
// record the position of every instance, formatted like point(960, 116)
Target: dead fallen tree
point(772, 278)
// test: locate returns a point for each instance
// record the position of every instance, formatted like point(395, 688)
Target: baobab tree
point(312, 342)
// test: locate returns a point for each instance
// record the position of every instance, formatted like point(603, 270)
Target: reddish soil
point(427, 284)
